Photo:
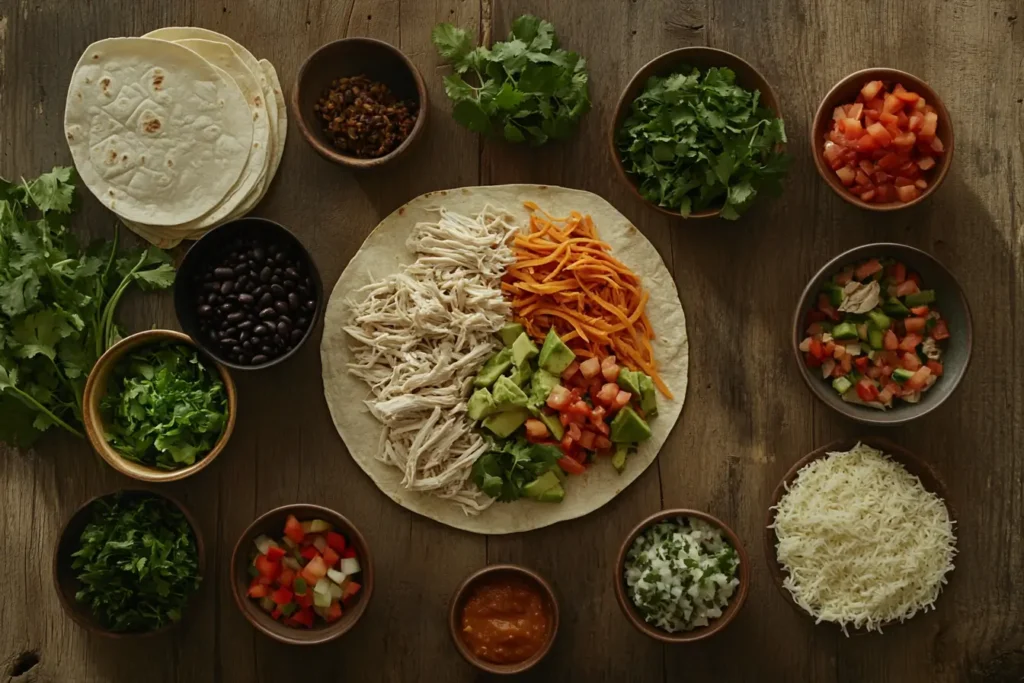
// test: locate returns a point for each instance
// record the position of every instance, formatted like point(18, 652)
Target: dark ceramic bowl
point(949, 300)
point(209, 250)
point(703, 58)
point(67, 584)
point(914, 465)
point(272, 524)
point(462, 594)
point(717, 625)
point(352, 57)
point(845, 92)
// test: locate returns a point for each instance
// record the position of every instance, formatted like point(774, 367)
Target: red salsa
point(506, 620)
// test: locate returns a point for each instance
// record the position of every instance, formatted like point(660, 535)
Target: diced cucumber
point(880, 319)
point(336, 592)
point(291, 563)
point(264, 543)
point(901, 375)
point(322, 599)
point(841, 385)
point(844, 330)
point(320, 543)
point(895, 308)
point(835, 294)
point(875, 337)
point(318, 526)
point(335, 576)
point(322, 586)
point(266, 604)
point(349, 566)
point(922, 298)
point(289, 543)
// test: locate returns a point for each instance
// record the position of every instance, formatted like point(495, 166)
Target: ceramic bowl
point(950, 301)
point(96, 389)
point(845, 92)
point(700, 633)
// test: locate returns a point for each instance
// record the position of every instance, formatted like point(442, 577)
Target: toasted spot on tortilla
point(170, 163)
point(70, 136)
point(158, 80)
point(105, 84)
point(151, 126)
point(401, 211)
point(444, 192)
point(113, 157)
point(258, 101)
point(96, 56)
point(542, 187)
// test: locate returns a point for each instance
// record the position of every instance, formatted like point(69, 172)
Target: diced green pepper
point(844, 330)
point(922, 298)
point(289, 609)
point(880, 319)
point(299, 585)
point(875, 337)
point(901, 375)
point(895, 308)
point(841, 385)
point(835, 294)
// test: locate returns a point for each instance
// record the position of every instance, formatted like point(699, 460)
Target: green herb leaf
point(471, 115)
point(452, 43)
point(503, 471)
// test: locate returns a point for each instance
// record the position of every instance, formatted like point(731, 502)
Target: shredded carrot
point(565, 277)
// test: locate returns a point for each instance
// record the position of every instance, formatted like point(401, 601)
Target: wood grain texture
point(747, 417)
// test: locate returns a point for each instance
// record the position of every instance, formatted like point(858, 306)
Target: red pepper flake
point(363, 118)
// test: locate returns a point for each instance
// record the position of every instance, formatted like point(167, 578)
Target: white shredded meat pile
point(418, 338)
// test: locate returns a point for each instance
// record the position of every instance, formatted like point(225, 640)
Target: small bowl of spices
point(503, 618)
point(248, 293)
point(359, 102)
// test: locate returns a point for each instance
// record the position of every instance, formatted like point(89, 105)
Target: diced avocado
point(541, 385)
point(880, 319)
point(901, 375)
point(542, 484)
point(922, 298)
point(619, 457)
point(555, 494)
point(521, 374)
point(895, 308)
point(493, 368)
point(845, 330)
point(875, 336)
point(835, 293)
point(504, 423)
point(648, 395)
point(628, 427)
point(481, 404)
point(507, 394)
point(552, 423)
point(629, 380)
point(523, 350)
point(510, 333)
point(555, 356)
point(841, 385)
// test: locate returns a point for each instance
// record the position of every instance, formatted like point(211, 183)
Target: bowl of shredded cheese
point(860, 535)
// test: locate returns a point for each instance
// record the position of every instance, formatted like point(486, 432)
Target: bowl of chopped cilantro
point(157, 408)
point(128, 563)
point(698, 133)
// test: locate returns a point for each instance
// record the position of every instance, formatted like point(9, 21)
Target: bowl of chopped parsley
point(128, 563)
point(698, 133)
point(157, 408)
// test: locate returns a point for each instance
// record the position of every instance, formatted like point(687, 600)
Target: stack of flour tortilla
point(176, 132)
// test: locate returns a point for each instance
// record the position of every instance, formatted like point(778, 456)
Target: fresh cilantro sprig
point(164, 407)
point(57, 305)
point(509, 466)
point(526, 89)
point(138, 563)
point(695, 140)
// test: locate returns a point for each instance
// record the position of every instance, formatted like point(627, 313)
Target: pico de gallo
point(883, 144)
point(875, 333)
point(307, 577)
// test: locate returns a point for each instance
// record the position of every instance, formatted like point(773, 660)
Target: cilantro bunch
point(509, 466)
point(57, 304)
point(138, 563)
point(525, 89)
point(164, 407)
point(697, 141)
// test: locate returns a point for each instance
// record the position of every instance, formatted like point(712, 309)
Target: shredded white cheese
point(862, 541)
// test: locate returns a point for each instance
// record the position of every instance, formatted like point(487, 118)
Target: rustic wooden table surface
point(748, 415)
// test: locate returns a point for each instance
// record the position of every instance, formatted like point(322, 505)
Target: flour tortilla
point(384, 251)
point(157, 133)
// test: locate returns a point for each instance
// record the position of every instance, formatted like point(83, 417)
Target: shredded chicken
point(418, 338)
point(860, 298)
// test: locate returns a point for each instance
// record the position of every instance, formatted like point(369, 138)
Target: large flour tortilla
point(384, 251)
point(158, 134)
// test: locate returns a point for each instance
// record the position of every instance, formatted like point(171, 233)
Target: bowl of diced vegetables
point(882, 333)
point(302, 574)
point(681, 576)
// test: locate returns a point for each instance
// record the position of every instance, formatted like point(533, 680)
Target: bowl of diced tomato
point(882, 139)
point(882, 333)
point(302, 574)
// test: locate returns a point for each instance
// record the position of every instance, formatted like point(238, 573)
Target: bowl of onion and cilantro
point(698, 133)
point(302, 574)
point(681, 576)
point(882, 333)
point(157, 408)
point(882, 139)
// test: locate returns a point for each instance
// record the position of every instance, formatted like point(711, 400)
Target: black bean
point(231, 331)
point(284, 329)
point(279, 340)
point(245, 325)
point(235, 317)
point(205, 310)
point(303, 290)
point(241, 268)
point(259, 254)
point(291, 273)
point(302, 321)
point(237, 350)
point(281, 257)
point(277, 291)
point(276, 280)
point(244, 335)
point(245, 299)
point(309, 305)
point(260, 330)
point(284, 318)
point(293, 301)
point(227, 287)
point(289, 285)
point(247, 345)
point(214, 335)
point(226, 307)
point(265, 274)
point(223, 326)
point(268, 313)
point(281, 307)
point(272, 249)
point(222, 273)
point(259, 359)
point(295, 336)
point(266, 348)
point(266, 300)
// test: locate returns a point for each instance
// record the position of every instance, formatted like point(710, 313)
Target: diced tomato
point(266, 580)
point(935, 366)
point(275, 553)
point(929, 125)
point(305, 600)
point(309, 552)
point(825, 306)
point(535, 431)
point(621, 400)
point(602, 443)
point(609, 369)
point(293, 529)
point(874, 372)
point(845, 364)
point(574, 432)
point(880, 134)
point(590, 367)
point(910, 342)
point(885, 118)
point(855, 110)
point(914, 324)
point(891, 104)
point(897, 272)
point(862, 363)
point(267, 567)
point(282, 596)
point(276, 613)
point(812, 360)
point(908, 286)
point(316, 567)
point(334, 611)
point(579, 408)
point(349, 591)
point(867, 269)
point(908, 193)
point(568, 373)
point(904, 95)
point(940, 331)
point(851, 128)
point(348, 552)
point(924, 163)
point(871, 89)
point(920, 310)
point(910, 361)
point(839, 113)
point(920, 378)
point(866, 143)
point(587, 439)
point(331, 556)
point(817, 348)
point(257, 590)
point(335, 541)
point(846, 175)
point(937, 146)
point(287, 577)
point(868, 195)
point(866, 390)
point(890, 161)
point(304, 617)
point(862, 178)
point(570, 466)
point(559, 398)
point(833, 153)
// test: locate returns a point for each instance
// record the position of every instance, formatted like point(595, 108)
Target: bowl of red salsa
point(503, 618)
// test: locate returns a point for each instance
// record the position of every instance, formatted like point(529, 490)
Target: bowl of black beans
point(248, 293)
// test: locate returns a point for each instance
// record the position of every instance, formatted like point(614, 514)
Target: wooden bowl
point(462, 594)
point(377, 60)
point(67, 583)
point(950, 301)
point(96, 389)
point(272, 524)
point(717, 625)
point(914, 465)
point(844, 92)
point(703, 58)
